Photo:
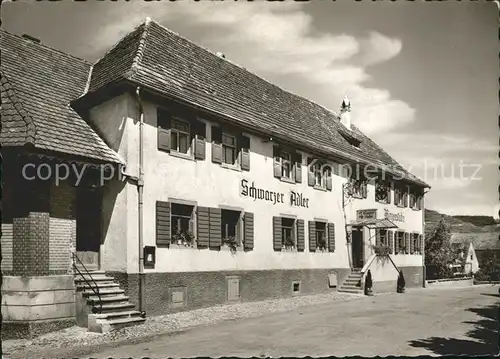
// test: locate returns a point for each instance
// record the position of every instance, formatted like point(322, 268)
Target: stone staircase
point(114, 311)
point(352, 284)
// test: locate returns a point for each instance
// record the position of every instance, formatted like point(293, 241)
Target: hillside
point(478, 220)
point(457, 225)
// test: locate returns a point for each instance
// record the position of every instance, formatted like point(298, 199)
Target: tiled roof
point(157, 58)
point(480, 241)
point(37, 85)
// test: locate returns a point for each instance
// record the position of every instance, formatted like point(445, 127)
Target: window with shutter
point(203, 229)
point(277, 239)
point(229, 149)
point(391, 241)
point(331, 237)
point(288, 233)
point(248, 231)
point(163, 129)
point(230, 228)
point(216, 144)
point(321, 235)
point(312, 236)
point(300, 235)
point(421, 246)
point(163, 223)
point(182, 232)
point(298, 167)
point(245, 153)
point(287, 164)
point(199, 140)
point(407, 243)
point(400, 242)
point(215, 239)
point(180, 139)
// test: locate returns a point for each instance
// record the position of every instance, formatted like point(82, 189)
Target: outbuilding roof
point(37, 86)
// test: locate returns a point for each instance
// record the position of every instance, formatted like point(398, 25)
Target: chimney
point(345, 113)
point(31, 38)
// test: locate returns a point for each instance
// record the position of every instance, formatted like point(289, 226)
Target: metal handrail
point(95, 290)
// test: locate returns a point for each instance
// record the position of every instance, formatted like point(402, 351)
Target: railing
point(369, 263)
point(94, 289)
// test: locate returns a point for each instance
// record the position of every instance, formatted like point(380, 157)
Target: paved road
point(430, 321)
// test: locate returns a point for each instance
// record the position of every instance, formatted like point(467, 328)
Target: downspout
point(140, 186)
point(423, 241)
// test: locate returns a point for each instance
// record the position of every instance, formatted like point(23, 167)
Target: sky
point(422, 77)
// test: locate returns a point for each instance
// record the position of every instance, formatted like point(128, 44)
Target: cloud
point(276, 41)
point(378, 48)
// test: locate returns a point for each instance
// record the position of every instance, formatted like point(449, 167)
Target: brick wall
point(7, 239)
point(62, 241)
point(31, 245)
point(62, 234)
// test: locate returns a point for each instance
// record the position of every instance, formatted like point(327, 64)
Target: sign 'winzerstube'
point(296, 199)
point(394, 217)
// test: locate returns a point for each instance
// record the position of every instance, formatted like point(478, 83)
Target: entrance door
point(357, 248)
point(88, 226)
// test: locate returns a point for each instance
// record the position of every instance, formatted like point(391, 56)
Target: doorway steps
point(112, 305)
point(352, 284)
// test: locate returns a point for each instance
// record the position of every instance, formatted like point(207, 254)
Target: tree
point(439, 253)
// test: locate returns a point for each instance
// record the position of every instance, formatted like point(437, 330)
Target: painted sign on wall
point(394, 217)
point(366, 214)
point(296, 199)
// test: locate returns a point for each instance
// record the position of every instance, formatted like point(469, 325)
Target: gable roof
point(158, 59)
point(37, 85)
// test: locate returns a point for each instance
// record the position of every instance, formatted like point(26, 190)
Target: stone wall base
point(167, 293)
point(23, 330)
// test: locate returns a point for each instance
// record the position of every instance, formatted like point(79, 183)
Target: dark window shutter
point(300, 235)
point(276, 162)
point(310, 176)
point(215, 227)
point(421, 243)
point(298, 167)
point(216, 144)
point(203, 231)
point(245, 153)
point(163, 139)
point(199, 148)
point(396, 243)
point(312, 236)
point(407, 243)
point(405, 199)
point(163, 121)
point(277, 237)
point(248, 232)
point(331, 237)
point(377, 237)
point(412, 243)
point(162, 223)
point(391, 241)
